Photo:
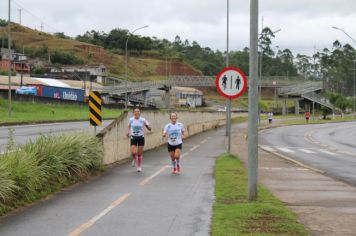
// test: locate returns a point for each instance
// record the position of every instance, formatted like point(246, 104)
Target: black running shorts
point(172, 148)
point(137, 141)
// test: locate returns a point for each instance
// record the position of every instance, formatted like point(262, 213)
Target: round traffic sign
point(231, 82)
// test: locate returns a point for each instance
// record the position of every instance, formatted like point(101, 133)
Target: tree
point(265, 41)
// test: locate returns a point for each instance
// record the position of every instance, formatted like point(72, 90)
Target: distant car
point(27, 90)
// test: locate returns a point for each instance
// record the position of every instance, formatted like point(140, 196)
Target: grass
point(32, 171)
point(300, 120)
point(234, 215)
point(23, 112)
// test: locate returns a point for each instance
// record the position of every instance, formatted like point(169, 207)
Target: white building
point(97, 71)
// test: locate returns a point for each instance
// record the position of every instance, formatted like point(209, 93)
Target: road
point(125, 202)
point(330, 148)
point(24, 133)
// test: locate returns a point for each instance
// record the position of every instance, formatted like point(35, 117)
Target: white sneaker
point(139, 169)
point(133, 163)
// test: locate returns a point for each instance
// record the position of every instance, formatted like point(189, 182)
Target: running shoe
point(139, 169)
point(174, 171)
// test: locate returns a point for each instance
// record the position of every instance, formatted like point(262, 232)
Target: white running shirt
point(174, 133)
point(137, 126)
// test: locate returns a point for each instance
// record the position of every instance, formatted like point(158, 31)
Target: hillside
point(139, 68)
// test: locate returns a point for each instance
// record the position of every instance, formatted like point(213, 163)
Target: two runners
point(136, 130)
point(175, 132)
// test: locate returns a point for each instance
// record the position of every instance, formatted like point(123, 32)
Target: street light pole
point(353, 102)
point(126, 62)
point(253, 104)
point(228, 110)
point(10, 56)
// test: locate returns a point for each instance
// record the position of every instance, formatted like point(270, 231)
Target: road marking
point(204, 141)
point(327, 152)
point(268, 148)
point(148, 179)
point(347, 153)
point(306, 151)
point(195, 147)
point(281, 168)
point(184, 154)
point(93, 220)
point(285, 149)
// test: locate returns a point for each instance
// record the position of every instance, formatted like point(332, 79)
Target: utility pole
point(228, 107)
point(20, 11)
point(253, 104)
point(41, 27)
point(9, 55)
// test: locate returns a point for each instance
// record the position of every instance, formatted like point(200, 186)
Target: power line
point(35, 16)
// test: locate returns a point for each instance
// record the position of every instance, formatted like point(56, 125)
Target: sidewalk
point(324, 205)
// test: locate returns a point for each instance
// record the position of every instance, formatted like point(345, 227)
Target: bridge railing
point(312, 96)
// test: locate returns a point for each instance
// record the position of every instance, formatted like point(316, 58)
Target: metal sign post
point(230, 83)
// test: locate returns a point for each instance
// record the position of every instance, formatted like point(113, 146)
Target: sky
point(305, 24)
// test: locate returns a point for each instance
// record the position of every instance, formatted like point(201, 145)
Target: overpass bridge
point(307, 93)
point(297, 87)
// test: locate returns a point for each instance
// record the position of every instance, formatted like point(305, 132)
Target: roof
point(188, 90)
point(16, 81)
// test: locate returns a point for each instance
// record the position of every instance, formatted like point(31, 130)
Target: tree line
point(333, 66)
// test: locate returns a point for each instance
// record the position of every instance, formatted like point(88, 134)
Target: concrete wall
point(117, 145)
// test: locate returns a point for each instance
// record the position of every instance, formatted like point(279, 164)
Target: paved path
point(124, 202)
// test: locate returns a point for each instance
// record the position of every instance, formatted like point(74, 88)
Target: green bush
point(46, 165)
point(65, 58)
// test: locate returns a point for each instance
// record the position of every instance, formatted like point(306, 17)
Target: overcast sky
point(305, 24)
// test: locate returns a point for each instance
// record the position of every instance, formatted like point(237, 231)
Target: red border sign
point(221, 92)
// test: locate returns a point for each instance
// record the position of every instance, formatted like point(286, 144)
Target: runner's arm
point(128, 130)
point(147, 125)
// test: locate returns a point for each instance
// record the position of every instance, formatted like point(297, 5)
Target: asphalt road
point(125, 202)
point(24, 133)
point(330, 148)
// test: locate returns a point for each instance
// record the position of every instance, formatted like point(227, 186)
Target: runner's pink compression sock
point(136, 160)
point(139, 160)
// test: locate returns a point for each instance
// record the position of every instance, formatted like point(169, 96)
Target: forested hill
point(153, 58)
point(333, 65)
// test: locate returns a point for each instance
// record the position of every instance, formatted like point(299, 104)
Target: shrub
point(45, 165)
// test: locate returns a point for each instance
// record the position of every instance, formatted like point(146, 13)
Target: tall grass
point(45, 165)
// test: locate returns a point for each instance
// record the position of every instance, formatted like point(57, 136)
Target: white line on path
point(148, 179)
point(204, 141)
point(268, 148)
point(184, 154)
point(306, 151)
point(91, 222)
point(195, 147)
point(327, 152)
point(285, 149)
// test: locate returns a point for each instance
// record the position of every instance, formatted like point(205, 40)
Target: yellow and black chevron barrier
point(95, 108)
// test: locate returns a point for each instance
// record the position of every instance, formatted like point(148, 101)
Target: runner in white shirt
point(136, 130)
point(175, 132)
